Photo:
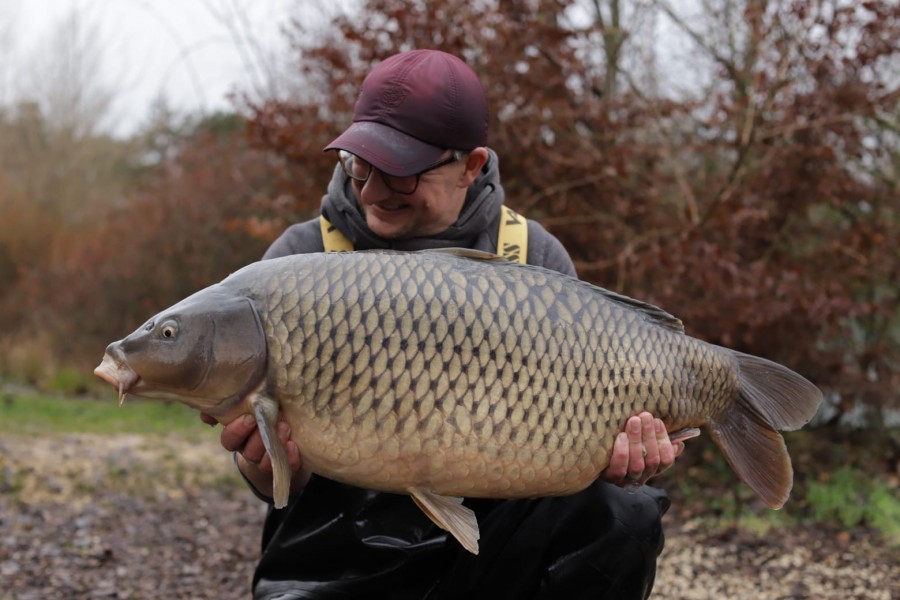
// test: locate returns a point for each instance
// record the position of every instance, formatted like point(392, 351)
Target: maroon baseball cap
point(413, 107)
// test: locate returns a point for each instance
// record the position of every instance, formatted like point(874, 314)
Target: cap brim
point(387, 149)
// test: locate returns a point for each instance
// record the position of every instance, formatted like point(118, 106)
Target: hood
point(471, 230)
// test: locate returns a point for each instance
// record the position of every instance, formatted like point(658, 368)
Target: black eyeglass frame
point(345, 157)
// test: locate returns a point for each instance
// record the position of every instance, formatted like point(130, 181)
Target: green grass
point(52, 414)
point(851, 498)
point(156, 450)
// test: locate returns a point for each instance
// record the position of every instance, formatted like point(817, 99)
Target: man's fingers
point(652, 449)
point(293, 455)
point(616, 471)
point(645, 449)
point(254, 450)
point(234, 435)
point(636, 449)
point(667, 451)
point(620, 457)
point(241, 435)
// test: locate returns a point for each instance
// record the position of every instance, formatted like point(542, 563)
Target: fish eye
point(168, 330)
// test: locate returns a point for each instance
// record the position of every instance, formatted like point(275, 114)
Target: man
point(414, 172)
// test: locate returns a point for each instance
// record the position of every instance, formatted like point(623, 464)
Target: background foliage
point(744, 178)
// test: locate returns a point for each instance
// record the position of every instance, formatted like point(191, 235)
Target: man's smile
point(388, 206)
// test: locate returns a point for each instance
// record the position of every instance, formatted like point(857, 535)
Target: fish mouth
point(118, 374)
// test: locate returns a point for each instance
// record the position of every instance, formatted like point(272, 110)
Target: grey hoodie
point(477, 227)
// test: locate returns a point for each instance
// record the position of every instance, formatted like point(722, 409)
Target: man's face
point(431, 209)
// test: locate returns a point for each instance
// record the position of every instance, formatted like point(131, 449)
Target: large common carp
point(443, 374)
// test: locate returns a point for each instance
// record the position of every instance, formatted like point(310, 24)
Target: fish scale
point(443, 363)
point(444, 374)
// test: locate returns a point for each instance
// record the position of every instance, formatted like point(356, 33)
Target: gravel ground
point(135, 517)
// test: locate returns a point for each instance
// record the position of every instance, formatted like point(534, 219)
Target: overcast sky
point(193, 52)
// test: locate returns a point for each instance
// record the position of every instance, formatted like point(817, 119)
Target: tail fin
point(783, 399)
point(771, 398)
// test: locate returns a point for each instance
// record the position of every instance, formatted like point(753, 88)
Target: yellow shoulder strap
point(332, 238)
point(512, 241)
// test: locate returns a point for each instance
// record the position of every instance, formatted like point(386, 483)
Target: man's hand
point(242, 436)
point(640, 452)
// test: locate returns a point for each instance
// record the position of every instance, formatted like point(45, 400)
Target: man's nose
point(375, 187)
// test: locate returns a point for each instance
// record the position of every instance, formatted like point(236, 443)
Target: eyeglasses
point(359, 170)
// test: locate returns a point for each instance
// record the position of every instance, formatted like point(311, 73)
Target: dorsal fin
point(469, 253)
point(653, 313)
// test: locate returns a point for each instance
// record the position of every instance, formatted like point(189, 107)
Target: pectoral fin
point(266, 412)
point(684, 434)
point(449, 514)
